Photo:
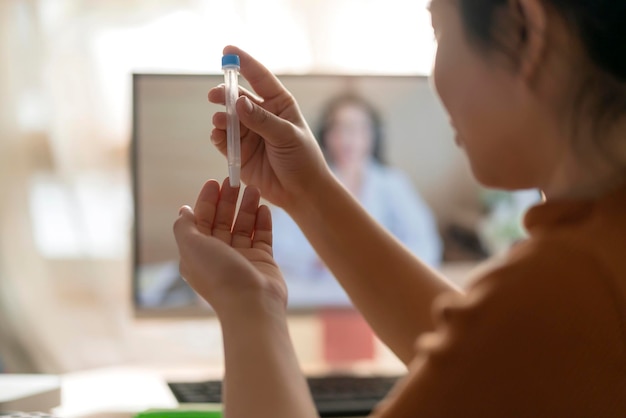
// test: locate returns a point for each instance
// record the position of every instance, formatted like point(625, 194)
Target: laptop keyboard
point(334, 396)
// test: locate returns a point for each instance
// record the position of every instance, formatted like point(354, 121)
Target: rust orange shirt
point(540, 333)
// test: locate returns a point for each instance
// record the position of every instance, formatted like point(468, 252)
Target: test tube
point(230, 66)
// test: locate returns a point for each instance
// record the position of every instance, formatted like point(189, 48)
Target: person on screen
point(351, 139)
point(536, 91)
point(159, 285)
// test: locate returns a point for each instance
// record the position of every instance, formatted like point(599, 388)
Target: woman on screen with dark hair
point(351, 137)
point(536, 91)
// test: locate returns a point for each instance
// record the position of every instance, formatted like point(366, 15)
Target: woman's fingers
point(262, 80)
point(218, 138)
point(206, 206)
point(217, 95)
point(246, 218)
point(262, 238)
point(252, 113)
point(274, 129)
point(225, 212)
point(214, 214)
point(218, 134)
point(219, 122)
point(185, 228)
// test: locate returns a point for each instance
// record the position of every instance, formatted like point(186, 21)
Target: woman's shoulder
point(545, 261)
point(561, 279)
point(573, 238)
point(533, 326)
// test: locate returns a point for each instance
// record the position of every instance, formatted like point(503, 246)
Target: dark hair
point(373, 114)
point(601, 28)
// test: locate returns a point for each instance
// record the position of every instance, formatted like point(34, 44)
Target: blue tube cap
point(230, 60)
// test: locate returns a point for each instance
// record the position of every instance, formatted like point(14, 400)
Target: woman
point(536, 90)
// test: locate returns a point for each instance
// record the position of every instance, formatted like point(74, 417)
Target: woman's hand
point(279, 153)
point(230, 264)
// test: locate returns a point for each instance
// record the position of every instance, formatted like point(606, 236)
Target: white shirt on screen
point(389, 196)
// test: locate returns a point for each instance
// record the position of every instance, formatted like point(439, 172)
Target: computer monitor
point(172, 157)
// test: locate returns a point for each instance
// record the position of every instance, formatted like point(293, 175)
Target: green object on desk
point(176, 413)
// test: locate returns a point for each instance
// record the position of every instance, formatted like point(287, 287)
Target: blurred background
point(65, 128)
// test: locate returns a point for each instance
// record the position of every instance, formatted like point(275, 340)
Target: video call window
point(386, 138)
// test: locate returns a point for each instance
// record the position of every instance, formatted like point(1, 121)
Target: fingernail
point(247, 105)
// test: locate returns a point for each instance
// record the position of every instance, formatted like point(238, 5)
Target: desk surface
point(113, 392)
point(17, 386)
point(121, 392)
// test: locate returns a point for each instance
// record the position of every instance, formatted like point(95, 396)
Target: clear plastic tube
point(230, 65)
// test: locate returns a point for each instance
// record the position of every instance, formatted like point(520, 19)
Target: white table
point(121, 392)
point(29, 392)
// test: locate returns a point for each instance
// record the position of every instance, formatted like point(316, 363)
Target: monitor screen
point(411, 177)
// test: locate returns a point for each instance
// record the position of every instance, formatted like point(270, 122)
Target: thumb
point(185, 227)
point(275, 130)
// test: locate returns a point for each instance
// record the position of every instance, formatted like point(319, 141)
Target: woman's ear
point(533, 15)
